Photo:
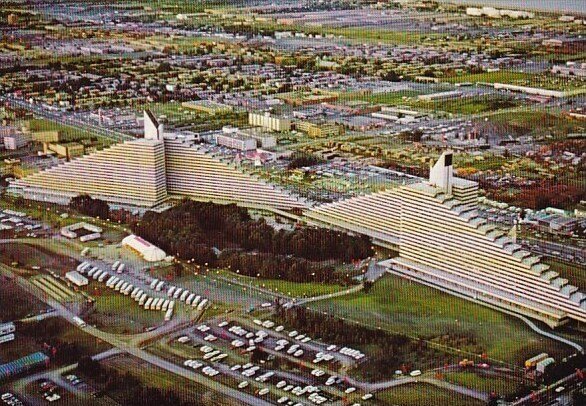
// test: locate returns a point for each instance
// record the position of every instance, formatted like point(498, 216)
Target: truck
point(79, 322)
point(142, 299)
point(92, 271)
point(532, 362)
point(128, 289)
point(134, 292)
point(165, 305)
point(177, 293)
point(118, 285)
point(97, 274)
point(172, 304)
point(189, 298)
point(80, 266)
point(110, 280)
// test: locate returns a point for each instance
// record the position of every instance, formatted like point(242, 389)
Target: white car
point(236, 367)
point(293, 333)
point(282, 399)
point(263, 391)
point(279, 329)
point(243, 384)
point(367, 396)
point(350, 390)
point(223, 324)
point(281, 384)
point(298, 353)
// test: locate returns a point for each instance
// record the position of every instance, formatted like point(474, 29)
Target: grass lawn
point(423, 395)
point(68, 133)
point(487, 384)
point(116, 313)
point(292, 289)
point(490, 77)
point(400, 306)
point(537, 123)
point(378, 98)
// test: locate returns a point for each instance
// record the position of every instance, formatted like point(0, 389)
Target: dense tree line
point(89, 206)
point(301, 159)
point(273, 266)
point(127, 386)
point(185, 231)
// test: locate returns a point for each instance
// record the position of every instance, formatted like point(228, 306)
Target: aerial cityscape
point(278, 202)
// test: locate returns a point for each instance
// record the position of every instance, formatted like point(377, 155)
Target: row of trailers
point(127, 289)
point(183, 295)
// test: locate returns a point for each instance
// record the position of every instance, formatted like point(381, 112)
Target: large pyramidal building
point(443, 242)
point(147, 171)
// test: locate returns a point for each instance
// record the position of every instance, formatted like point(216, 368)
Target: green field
point(486, 384)
point(423, 395)
point(537, 123)
point(292, 289)
point(68, 133)
point(400, 306)
point(116, 313)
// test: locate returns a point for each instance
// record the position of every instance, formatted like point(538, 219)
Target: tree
point(85, 204)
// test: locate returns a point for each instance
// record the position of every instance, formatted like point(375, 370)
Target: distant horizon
point(557, 6)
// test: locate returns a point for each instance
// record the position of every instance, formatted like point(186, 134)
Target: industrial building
point(269, 122)
point(444, 243)
point(22, 365)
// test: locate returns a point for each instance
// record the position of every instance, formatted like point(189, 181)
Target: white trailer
point(142, 299)
point(121, 268)
point(177, 293)
point(172, 304)
point(189, 298)
point(134, 292)
point(202, 305)
point(81, 266)
point(168, 314)
point(159, 304)
point(148, 303)
point(97, 274)
point(114, 282)
point(165, 305)
point(110, 280)
point(92, 271)
point(128, 289)
point(124, 286)
point(103, 277)
point(196, 301)
point(171, 290)
point(184, 295)
point(115, 265)
point(159, 286)
point(138, 295)
point(119, 285)
point(154, 283)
